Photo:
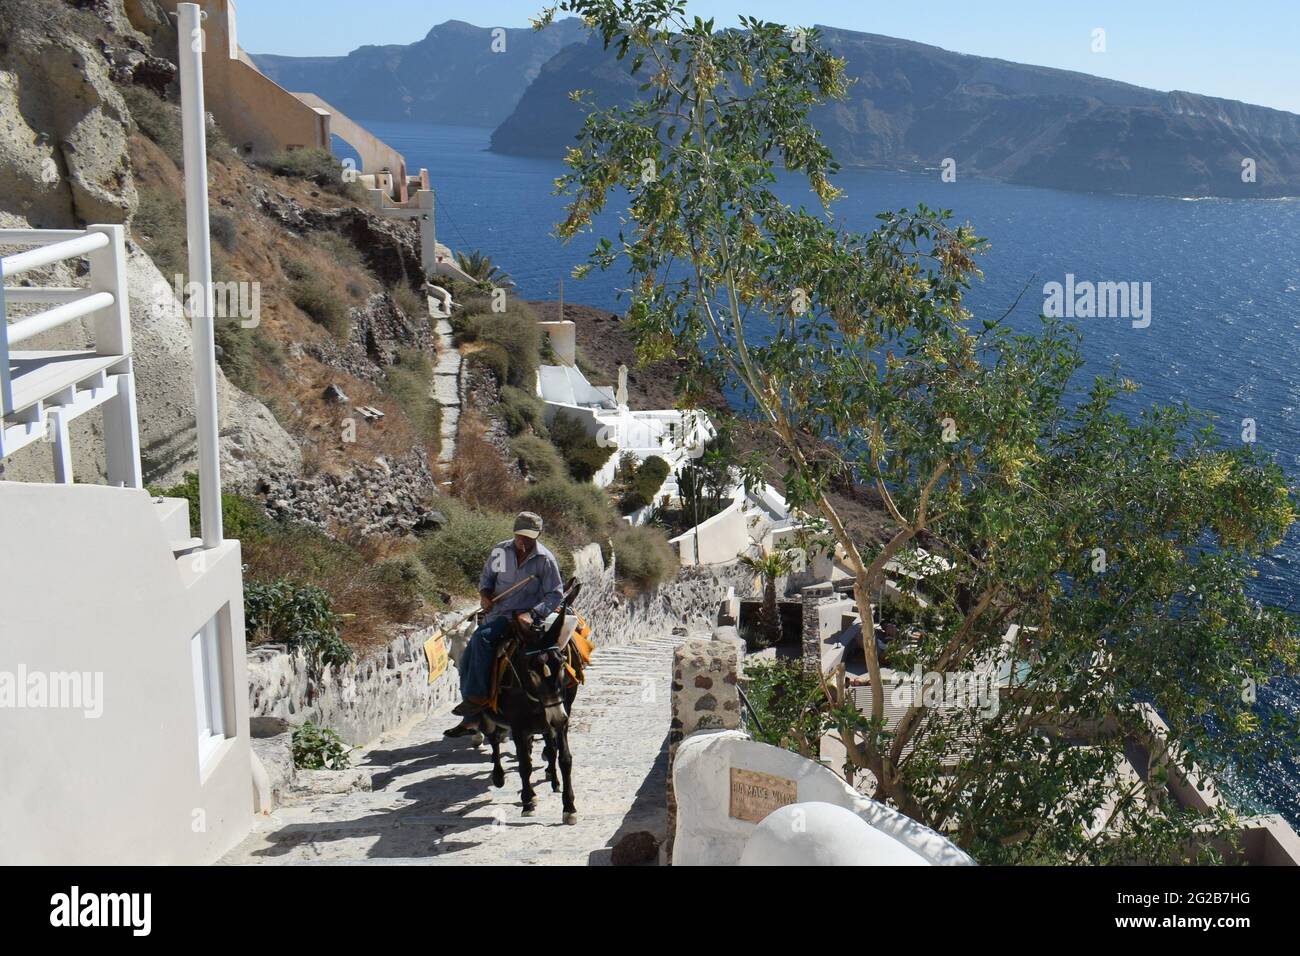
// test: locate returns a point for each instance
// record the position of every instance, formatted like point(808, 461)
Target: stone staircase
point(432, 801)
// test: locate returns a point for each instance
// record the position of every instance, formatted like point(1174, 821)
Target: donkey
point(536, 697)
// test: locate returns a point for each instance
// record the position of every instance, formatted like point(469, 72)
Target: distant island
point(914, 106)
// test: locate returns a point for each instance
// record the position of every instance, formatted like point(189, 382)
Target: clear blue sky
point(1246, 50)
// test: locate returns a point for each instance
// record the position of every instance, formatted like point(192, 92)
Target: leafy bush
point(540, 459)
point(319, 748)
point(577, 512)
point(522, 411)
point(787, 702)
point(582, 453)
point(285, 611)
point(242, 518)
point(644, 483)
point(643, 557)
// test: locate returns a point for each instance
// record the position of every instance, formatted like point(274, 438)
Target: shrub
point(788, 703)
point(159, 226)
point(492, 358)
point(643, 557)
point(240, 352)
point(224, 230)
point(522, 411)
point(479, 476)
point(285, 611)
point(313, 294)
point(583, 454)
point(577, 512)
point(520, 337)
point(644, 483)
point(156, 119)
point(407, 583)
point(317, 166)
point(541, 460)
point(242, 518)
point(414, 304)
point(455, 552)
point(407, 384)
point(319, 748)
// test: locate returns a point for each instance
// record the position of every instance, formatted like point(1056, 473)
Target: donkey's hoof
point(477, 741)
point(498, 778)
point(530, 811)
point(555, 786)
point(571, 818)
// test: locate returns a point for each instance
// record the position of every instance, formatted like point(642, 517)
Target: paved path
point(433, 802)
point(446, 389)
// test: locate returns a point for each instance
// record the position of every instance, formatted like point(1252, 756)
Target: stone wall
point(706, 696)
point(692, 601)
point(371, 695)
point(388, 687)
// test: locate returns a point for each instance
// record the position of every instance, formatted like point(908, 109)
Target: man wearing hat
point(520, 580)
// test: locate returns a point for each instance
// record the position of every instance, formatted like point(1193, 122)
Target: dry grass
point(478, 475)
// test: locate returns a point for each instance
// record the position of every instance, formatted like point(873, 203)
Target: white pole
point(193, 122)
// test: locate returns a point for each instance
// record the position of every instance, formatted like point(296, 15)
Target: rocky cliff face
point(65, 163)
point(458, 74)
point(913, 106)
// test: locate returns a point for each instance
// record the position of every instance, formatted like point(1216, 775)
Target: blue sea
point(1225, 292)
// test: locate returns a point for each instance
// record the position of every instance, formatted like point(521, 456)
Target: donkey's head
point(546, 663)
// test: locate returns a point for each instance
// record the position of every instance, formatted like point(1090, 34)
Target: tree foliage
point(1099, 559)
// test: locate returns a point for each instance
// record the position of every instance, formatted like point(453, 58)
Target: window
point(209, 696)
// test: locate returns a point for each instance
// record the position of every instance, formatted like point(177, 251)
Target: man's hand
point(524, 620)
point(485, 601)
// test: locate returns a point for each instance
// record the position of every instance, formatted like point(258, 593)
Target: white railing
point(43, 390)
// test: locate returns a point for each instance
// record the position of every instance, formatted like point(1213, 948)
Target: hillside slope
point(454, 75)
point(912, 106)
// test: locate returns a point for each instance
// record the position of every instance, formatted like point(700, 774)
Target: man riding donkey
point(521, 583)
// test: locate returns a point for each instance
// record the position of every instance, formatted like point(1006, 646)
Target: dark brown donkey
point(536, 698)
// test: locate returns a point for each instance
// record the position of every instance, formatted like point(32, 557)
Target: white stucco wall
point(90, 585)
point(706, 834)
point(720, 539)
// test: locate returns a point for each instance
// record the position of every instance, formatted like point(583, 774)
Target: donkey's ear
point(554, 631)
point(571, 589)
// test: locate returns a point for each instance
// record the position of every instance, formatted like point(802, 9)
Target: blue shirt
point(541, 595)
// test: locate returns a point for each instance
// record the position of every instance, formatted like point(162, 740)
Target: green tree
point(482, 269)
point(768, 567)
point(1100, 559)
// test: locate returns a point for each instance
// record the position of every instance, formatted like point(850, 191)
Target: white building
point(123, 694)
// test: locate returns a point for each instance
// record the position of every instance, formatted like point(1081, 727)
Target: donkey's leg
point(524, 754)
point(549, 752)
point(566, 769)
point(498, 772)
